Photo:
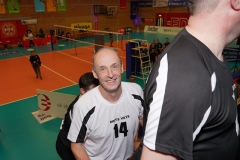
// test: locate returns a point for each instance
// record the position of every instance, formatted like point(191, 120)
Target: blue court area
point(22, 137)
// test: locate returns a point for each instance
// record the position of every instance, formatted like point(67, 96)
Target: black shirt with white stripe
point(190, 104)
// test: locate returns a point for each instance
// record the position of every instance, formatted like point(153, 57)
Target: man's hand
point(79, 151)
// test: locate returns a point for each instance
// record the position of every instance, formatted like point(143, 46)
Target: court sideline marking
point(74, 57)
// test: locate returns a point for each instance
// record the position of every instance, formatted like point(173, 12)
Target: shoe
point(37, 77)
point(41, 78)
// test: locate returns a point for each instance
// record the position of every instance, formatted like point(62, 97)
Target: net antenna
point(74, 31)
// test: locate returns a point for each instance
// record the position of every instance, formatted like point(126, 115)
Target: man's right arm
point(79, 151)
point(148, 154)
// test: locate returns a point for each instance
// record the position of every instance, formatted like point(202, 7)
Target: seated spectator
point(5, 46)
point(68, 35)
point(41, 33)
point(59, 33)
point(20, 43)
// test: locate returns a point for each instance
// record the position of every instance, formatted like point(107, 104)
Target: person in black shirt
point(190, 99)
point(167, 42)
point(63, 145)
point(36, 63)
point(59, 33)
point(41, 33)
point(153, 53)
point(20, 43)
point(153, 42)
point(159, 47)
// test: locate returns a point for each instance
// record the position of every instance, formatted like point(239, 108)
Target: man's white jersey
point(107, 129)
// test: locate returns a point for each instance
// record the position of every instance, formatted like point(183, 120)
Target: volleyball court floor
point(22, 136)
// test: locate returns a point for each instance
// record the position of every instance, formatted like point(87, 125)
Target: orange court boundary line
point(74, 57)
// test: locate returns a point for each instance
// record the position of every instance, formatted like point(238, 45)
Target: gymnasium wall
point(82, 11)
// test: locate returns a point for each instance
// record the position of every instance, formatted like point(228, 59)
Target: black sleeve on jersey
point(181, 109)
point(138, 97)
point(67, 118)
point(83, 130)
point(238, 111)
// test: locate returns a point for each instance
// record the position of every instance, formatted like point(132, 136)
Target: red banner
point(8, 29)
point(95, 22)
point(121, 30)
point(174, 19)
point(148, 20)
point(122, 4)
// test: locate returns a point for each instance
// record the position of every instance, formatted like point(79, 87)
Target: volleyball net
point(86, 37)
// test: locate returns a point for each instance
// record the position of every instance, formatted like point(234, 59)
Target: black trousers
point(31, 43)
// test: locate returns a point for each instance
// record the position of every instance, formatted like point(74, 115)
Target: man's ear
point(94, 74)
point(122, 68)
point(235, 4)
point(82, 91)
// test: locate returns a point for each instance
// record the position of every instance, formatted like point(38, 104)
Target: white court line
point(74, 57)
point(21, 56)
point(59, 74)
